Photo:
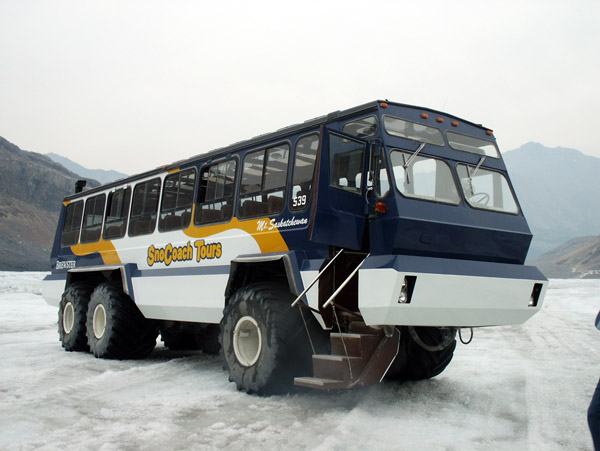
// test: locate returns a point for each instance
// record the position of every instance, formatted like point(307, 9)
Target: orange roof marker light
point(489, 132)
point(424, 115)
point(454, 124)
point(440, 119)
point(384, 105)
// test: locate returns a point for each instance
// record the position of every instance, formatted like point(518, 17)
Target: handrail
point(301, 295)
point(334, 295)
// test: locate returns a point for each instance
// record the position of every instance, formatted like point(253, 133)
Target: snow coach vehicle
point(332, 253)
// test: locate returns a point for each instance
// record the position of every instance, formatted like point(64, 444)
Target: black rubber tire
point(285, 351)
point(78, 296)
point(209, 342)
point(414, 362)
point(127, 334)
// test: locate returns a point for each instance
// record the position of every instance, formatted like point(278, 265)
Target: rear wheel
point(72, 314)
point(424, 353)
point(264, 342)
point(116, 329)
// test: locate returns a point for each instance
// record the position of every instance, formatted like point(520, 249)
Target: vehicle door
point(338, 217)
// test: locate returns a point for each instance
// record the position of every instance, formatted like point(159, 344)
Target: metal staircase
point(360, 356)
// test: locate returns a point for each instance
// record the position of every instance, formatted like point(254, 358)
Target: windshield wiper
point(472, 174)
point(414, 155)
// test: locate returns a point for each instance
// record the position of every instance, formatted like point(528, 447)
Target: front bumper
point(447, 292)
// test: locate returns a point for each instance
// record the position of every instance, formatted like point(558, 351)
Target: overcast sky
point(132, 85)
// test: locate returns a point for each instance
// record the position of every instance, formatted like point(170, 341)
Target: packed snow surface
point(512, 388)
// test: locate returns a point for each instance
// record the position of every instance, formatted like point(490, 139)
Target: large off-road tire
point(424, 353)
point(116, 329)
point(210, 339)
point(72, 313)
point(263, 340)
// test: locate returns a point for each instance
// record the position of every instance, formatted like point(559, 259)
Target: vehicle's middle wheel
point(263, 340)
point(116, 329)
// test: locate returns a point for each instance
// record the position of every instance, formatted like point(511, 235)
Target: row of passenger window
point(263, 189)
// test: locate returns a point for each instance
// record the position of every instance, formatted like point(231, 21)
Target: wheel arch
point(95, 275)
point(247, 269)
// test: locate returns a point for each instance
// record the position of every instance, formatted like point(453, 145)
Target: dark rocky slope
point(32, 188)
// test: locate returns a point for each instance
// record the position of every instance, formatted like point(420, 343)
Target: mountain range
point(558, 189)
point(100, 175)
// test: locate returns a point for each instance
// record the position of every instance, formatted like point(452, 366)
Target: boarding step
point(355, 358)
point(353, 344)
point(337, 367)
point(320, 383)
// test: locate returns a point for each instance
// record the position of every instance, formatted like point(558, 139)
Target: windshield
point(485, 189)
point(424, 178)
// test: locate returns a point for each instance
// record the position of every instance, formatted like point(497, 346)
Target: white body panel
point(182, 298)
point(313, 294)
point(52, 291)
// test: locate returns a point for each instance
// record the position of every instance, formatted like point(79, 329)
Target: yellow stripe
point(268, 240)
point(105, 248)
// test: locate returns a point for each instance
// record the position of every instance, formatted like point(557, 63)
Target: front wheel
point(424, 353)
point(116, 329)
point(263, 340)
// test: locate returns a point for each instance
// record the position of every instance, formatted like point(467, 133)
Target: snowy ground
point(522, 387)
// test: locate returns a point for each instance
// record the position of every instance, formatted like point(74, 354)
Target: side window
point(117, 210)
point(381, 184)
point(92, 219)
point(70, 233)
point(346, 161)
point(144, 207)
point(362, 128)
point(264, 176)
point(178, 198)
point(215, 193)
point(303, 172)
point(424, 178)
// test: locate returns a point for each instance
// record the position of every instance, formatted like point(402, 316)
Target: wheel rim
point(247, 341)
point(99, 321)
point(68, 319)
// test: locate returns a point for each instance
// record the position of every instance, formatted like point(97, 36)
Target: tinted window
point(72, 224)
point(362, 128)
point(304, 169)
point(411, 130)
point(178, 198)
point(215, 193)
point(346, 163)
point(92, 219)
point(144, 207)
point(472, 145)
point(264, 176)
point(117, 211)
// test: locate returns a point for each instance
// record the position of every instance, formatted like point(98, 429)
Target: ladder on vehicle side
point(360, 356)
